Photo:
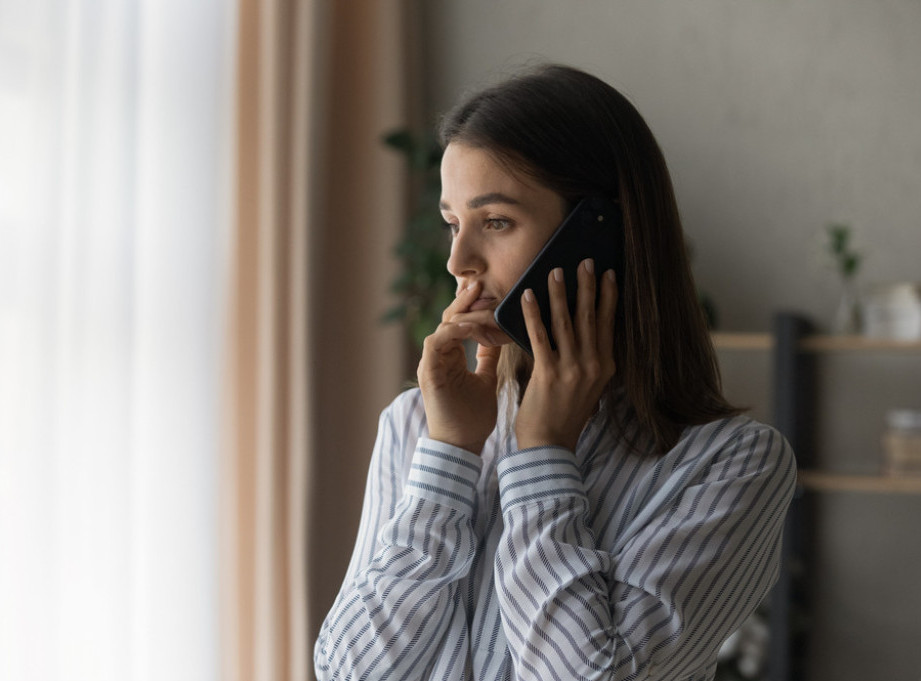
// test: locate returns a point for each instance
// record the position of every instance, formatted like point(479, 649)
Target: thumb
point(487, 359)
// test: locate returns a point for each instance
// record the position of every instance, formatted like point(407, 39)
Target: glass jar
point(902, 442)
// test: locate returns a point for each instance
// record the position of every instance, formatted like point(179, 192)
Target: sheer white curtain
point(115, 168)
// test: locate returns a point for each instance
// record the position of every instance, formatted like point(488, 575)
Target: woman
point(598, 512)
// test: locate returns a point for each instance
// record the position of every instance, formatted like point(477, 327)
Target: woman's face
point(499, 221)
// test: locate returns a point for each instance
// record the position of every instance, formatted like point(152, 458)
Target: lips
point(483, 303)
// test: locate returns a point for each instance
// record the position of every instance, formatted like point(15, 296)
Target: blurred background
point(198, 217)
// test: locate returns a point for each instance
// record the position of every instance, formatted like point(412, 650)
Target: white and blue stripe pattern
point(544, 564)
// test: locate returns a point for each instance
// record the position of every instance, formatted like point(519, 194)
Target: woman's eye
point(450, 227)
point(498, 224)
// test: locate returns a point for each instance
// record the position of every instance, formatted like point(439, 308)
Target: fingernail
point(610, 275)
point(529, 296)
point(589, 265)
point(558, 274)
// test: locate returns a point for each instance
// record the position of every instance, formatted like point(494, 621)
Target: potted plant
point(423, 287)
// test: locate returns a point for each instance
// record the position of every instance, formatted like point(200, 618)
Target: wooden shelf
point(742, 341)
point(818, 343)
point(856, 344)
point(845, 482)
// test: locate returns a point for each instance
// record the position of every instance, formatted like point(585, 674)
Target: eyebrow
point(485, 200)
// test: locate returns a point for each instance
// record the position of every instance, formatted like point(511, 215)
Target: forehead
point(467, 172)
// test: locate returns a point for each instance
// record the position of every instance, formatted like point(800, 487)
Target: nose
point(466, 257)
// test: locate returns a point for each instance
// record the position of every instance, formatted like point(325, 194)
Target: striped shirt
point(548, 565)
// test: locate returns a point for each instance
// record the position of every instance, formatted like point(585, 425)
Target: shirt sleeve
point(658, 605)
point(400, 596)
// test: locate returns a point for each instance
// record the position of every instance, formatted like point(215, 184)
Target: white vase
point(893, 312)
point(847, 319)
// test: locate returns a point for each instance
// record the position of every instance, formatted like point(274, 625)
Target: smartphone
point(594, 229)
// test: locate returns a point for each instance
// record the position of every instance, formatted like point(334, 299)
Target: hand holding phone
point(594, 229)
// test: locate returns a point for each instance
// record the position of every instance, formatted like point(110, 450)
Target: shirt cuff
point(536, 474)
point(444, 474)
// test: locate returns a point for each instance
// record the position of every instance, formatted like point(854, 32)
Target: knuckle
point(547, 376)
point(430, 340)
point(593, 369)
point(429, 343)
point(571, 375)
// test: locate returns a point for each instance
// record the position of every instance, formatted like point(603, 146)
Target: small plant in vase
point(847, 262)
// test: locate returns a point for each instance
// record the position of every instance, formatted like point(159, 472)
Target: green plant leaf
point(423, 286)
point(400, 140)
point(847, 261)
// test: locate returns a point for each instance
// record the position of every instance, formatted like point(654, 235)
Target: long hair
point(578, 136)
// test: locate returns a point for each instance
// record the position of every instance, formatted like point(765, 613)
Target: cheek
point(515, 266)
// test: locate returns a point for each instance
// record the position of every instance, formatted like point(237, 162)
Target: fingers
point(606, 333)
point(565, 386)
point(586, 334)
point(537, 334)
point(575, 334)
point(560, 320)
point(483, 323)
point(465, 298)
point(559, 314)
point(446, 338)
point(485, 332)
point(607, 308)
point(589, 334)
point(487, 361)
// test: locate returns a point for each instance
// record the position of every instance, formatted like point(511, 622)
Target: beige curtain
point(319, 205)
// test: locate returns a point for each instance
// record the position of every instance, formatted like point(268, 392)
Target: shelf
point(846, 482)
point(818, 343)
point(742, 341)
point(794, 353)
point(856, 344)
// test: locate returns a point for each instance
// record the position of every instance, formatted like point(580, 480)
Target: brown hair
point(578, 136)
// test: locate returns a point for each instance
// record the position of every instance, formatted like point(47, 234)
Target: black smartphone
point(594, 229)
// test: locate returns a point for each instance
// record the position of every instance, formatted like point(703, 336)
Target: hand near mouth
point(478, 315)
point(461, 405)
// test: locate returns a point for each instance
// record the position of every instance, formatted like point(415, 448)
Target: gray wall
point(776, 117)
